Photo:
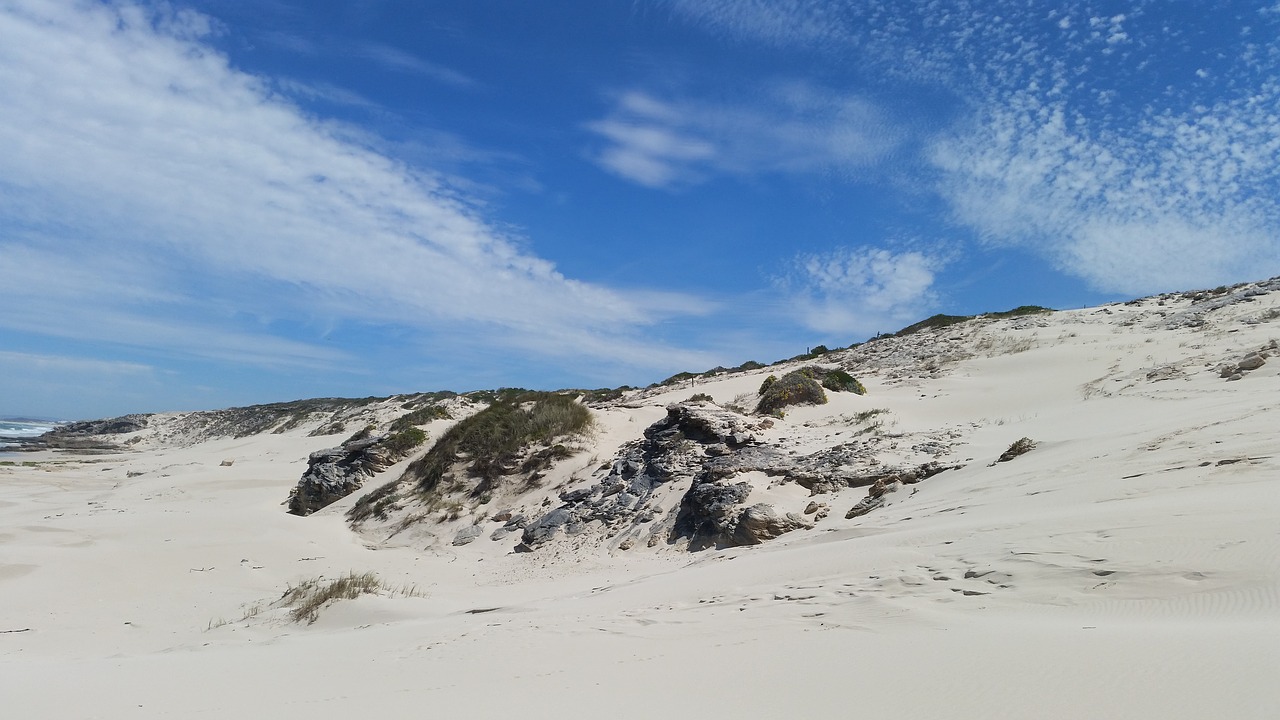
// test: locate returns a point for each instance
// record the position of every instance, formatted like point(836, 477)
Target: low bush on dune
point(841, 381)
point(421, 416)
point(766, 384)
point(1021, 446)
point(794, 388)
point(401, 443)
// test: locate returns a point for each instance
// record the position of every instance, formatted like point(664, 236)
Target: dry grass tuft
point(306, 599)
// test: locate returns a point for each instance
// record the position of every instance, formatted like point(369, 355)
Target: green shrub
point(794, 388)
point(1020, 446)
point(1021, 311)
point(604, 394)
point(677, 378)
point(701, 397)
point(402, 443)
point(841, 381)
point(768, 383)
point(421, 416)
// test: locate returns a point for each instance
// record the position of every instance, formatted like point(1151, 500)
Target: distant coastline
point(15, 432)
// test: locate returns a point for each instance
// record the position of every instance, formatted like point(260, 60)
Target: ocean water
point(15, 429)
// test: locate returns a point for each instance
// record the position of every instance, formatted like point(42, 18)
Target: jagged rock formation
point(706, 446)
point(335, 473)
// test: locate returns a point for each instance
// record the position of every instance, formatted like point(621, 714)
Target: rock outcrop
point(706, 446)
point(92, 434)
point(761, 522)
point(335, 473)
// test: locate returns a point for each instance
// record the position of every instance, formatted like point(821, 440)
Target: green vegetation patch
point(1020, 311)
point(421, 416)
point(794, 388)
point(492, 438)
point(841, 381)
point(400, 444)
point(941, 321)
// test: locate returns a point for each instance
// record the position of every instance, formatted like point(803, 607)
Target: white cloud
point(786, 22)
point(154, 196)
point(401, 61)
point(1177, 197)
point(861, 290)
point(62, 365)
point(791, 127)
point(1122, 152)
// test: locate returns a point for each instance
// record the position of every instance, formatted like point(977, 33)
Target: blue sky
point(213, 203)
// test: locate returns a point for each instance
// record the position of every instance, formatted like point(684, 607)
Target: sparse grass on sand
point(306, 599)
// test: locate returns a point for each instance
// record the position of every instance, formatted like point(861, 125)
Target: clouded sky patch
point(326, 199)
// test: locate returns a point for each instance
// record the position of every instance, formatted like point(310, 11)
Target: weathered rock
point(545, 527)
point(335, 473)
point(706, 446)
point(864, 506)
point(705, 509)
point(467, 534)
point(761, 522)
point(1253, 361)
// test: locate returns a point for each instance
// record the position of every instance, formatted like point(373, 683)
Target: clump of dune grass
point(306, 599)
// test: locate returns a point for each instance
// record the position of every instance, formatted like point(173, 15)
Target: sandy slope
point(1128, 567)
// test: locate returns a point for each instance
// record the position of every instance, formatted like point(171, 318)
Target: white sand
point(1119, 570)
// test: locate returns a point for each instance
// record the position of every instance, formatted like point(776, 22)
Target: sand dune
point(1127, 567)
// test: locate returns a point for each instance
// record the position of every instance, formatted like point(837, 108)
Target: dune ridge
point(1124, 566)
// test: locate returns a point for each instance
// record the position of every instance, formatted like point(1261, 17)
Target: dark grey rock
point(467, 534)
point(334, 473)
point(1252, 361)
point(545, 527)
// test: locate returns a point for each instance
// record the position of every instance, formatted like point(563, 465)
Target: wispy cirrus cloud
point(206, 216)
point(401, 61)
point(789, 127)
point(1138, 150)
point(1122, 152)
point(812, 23)
point(851, 291)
